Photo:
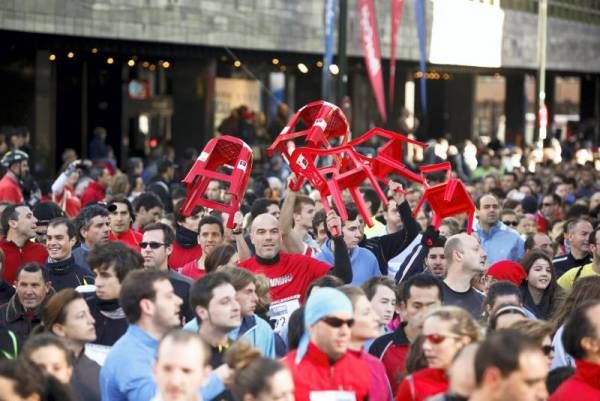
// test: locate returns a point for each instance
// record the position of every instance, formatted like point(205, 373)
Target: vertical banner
point(397, 6)
point(330, 17)
point(370, 44)
point(420, 20)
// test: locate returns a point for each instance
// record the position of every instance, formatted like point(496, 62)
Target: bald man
point(465, 258)
point(288, 274)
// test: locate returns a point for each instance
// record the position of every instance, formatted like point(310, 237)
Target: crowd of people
point(109, 292)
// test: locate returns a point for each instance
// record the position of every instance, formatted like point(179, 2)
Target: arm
point(393, 244)
point(342, 267)
point(238, 234)
point(59, 184)
point(292, 243)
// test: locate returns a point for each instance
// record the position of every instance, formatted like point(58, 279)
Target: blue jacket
point(127, 372)
point(501, 243)
point(255, 330)
point(364, 263)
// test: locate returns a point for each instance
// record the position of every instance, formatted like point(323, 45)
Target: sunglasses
point(337, 322)
point(151, 244)
point(547, 349)
point(511, 223)
point(438, 338)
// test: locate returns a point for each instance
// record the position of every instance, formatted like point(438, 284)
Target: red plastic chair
point(448, 198)
point(220, 155)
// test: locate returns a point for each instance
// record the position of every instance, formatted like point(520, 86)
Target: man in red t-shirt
point(288, 274)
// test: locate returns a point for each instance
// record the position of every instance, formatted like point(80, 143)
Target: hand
point(334, 223)
point(397, 191)
point(238, 223)
point(291, 182)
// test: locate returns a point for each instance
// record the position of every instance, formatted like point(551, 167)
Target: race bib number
point(332, 396)
point(97, 352)
point(280, 312)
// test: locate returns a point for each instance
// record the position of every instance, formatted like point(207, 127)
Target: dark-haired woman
point(541, 295)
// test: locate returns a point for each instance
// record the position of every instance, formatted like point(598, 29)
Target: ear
point(169, 249)
point(201, 313)
point(590, 345)
point(492, 377)
point(248, 397)
point(58, 329)
point(401, 308)
point(146, 307)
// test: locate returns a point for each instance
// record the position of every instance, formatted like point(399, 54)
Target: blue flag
point(330, 22)
point(420, 20)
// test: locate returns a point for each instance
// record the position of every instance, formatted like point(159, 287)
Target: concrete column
point(458, 111)
point(515, 107)
point(43, 137)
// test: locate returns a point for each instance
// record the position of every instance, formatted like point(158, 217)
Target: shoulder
point(380, 343)
point(560, 259)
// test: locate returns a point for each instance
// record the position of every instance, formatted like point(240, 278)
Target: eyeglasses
point(547, 349)
point(511, 223)
point(337, 322)
point(151, 244)
point(438, 338)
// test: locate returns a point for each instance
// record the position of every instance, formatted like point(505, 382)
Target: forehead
point(583, 226)
point(22, 210)
point(98, 219)
point(264, 222)
point(384, 291)
point(30, 276)
point(153, 234)
point(121, 207)
point(436, 250)
point(184, 354)
point(423, 292)
point(488, 200)
point(540, 237)
point(163, 285)
point(223, 291)
point(57, 229)
point(211, 227)
point(433, 324)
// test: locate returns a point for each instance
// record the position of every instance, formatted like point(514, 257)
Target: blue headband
point(322, 302)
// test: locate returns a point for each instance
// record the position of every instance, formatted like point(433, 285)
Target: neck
point(481, 395)
point(486, 226)
point(457, 279)
point(89, 245)
point(356, 344)
point(536, 293)
point(577, 254)
point(76, 347)
point(19, 240)
point(62, 259)
point(212, 335)
point(596, 265)
point(595, 359)
point(300, 230)
point(411, 333)
point(392, 227)
point(151, 329)
point(164, 267)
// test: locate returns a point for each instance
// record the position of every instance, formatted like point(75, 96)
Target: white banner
point(466, 32)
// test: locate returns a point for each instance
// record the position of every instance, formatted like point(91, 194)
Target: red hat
point(505, 270)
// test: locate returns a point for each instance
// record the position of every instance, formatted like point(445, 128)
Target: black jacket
point(111, 323)
point(6, 292)
point(181, 285)
point(67, 274)
point(14, 317)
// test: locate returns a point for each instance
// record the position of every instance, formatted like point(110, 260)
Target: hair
point(263, 288)
point(119, 186)
point(572, 223)
point(260, 206)
point(32, 267)
point(478, 200)
point(9, 213)
point(584, 289)
point(210, 219)
point(168, 234)
point(578, 326)
point(71, 230)
point(28, 379)
point(421, 280)
point(493, 352)
point(179, 217)
point(147, 200)
point(592, 237)
point(38, 341)
point(353, 293)
point(463, 322)
point(295, 328)
point(352, 212)
point(252, 372)
point(55, 310)
point(120, 198)
point(371, 196)
point(302, 200)
point(415, 359)
point(501, 310)
point(370, 286)
point(85, 216)
point(179, 336)
point(452, 224)
point(117, 255)
point(319, 217)
point(537, 330)
point(507, 212)
point(499, 289)
point(454, 243)
point(327, 280)
point(201, 291)
point(219, 256)
point(138, 285)
point(240, 278)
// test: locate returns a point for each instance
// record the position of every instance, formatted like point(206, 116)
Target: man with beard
point(19, 224)
point(498, 240)
point(17, 163)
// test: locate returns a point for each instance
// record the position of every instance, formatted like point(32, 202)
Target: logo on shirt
point(281, 280)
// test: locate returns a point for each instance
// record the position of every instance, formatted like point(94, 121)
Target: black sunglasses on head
point(337, 322)
point(511, 223)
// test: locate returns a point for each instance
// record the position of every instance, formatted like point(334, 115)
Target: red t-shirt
point(130, 238)
point(180, 255)
point(190, 269)
point(290, 276)
point(10, 190)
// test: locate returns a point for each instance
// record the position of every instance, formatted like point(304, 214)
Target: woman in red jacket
point(446, 331)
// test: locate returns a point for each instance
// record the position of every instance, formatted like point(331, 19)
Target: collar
point(136, 332)
point(272, 261)
point(62, 267)
point(399, 335)
point(585, 259)
point(186, 238)
point(589, 372)
point(15, 311)
point(317, 356)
